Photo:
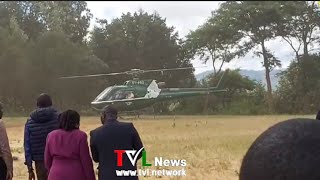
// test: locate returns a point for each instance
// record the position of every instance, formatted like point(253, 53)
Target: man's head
point(287, 150)
point(44, 100)
point(109, 113)
point(1, 110)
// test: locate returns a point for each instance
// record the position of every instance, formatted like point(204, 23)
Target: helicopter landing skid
point(129, 114)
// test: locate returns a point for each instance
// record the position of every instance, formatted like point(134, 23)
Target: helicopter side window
point(130, 95)
point(122, 95)
point(118, 95)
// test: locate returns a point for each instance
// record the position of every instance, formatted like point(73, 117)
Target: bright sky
point(186, 16)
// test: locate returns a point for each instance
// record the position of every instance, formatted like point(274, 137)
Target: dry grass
point(212, 145)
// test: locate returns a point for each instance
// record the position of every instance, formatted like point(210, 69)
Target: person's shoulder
point(31, 116)
point(81, 133)
point(32, 113)
point(129, 124)
point(54, 133)
point(126, 125)
point(94, 131)
point(1, 123)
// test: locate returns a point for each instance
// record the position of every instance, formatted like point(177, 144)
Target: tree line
point(42, 41)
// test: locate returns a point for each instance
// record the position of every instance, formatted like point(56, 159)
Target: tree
point(299, 26)
point(234, 83)
point(239, 89)
point(215, 40)
point(299, 23)
point(144, 41)
point(293, 99)
point(71, 17)
point(257, 22)
point(35, 17)
point(12, 63)
point(54, 56)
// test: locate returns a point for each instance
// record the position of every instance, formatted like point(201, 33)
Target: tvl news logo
point(158, 161)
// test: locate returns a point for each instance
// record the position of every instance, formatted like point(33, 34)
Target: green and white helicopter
point(137, 94)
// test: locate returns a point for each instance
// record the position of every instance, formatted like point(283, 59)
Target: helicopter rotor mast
point(133, 72)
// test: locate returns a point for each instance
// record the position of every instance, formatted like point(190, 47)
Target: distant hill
point(252, 74)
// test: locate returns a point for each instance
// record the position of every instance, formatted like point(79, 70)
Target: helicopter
point(138, 94)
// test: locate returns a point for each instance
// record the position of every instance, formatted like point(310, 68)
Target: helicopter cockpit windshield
point(102, 95)
point(113, 93)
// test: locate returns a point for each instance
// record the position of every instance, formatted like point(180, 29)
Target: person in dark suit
point(287, 150)
point(318, 115)
point(114, 135)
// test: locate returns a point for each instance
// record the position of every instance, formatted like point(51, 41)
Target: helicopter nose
point(95, 103)
point(99, 106)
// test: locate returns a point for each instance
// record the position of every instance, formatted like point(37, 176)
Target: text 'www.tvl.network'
point(149, 172)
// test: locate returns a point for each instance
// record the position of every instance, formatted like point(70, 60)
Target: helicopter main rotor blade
point(172, 69)
point(93, 75)
point(133, 71)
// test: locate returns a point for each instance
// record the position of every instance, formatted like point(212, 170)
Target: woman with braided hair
point(67, 152)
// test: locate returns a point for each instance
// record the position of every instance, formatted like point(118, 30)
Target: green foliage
point(292, 96)
point(299, 21)
point(215, 40)
point(141, 40)
point(12, 62)
point(243, 96)
point(236, 28)
point(257, 22)
point(32, 56)
point(41, 41)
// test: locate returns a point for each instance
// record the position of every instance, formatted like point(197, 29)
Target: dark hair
point(44, 100)
point(69, 120)
point(108, 113)
point(287, 150)
point(110, 110)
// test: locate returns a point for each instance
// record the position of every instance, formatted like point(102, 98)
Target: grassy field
point(213, 146)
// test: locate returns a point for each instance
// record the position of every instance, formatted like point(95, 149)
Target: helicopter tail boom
point(218, 84)
point(208, 89)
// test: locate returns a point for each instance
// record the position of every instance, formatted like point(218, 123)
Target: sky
point(187, 16)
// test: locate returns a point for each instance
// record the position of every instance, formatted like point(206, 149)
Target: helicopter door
point(153, 90)
point(119, 95)
point(130, 95)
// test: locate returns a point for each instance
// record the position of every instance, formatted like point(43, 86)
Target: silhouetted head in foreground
point(289, 150)
point(109, 114)
point(44, 100)
point(69, 120)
